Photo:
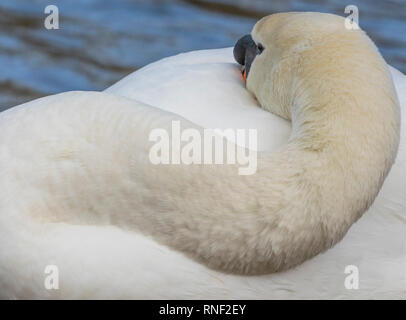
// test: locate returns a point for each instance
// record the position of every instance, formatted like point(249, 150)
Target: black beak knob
point(245, 51)
point(240, 49)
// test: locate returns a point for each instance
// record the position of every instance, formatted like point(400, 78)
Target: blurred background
point(101, 41)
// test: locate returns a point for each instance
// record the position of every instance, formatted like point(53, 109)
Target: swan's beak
point(244, 75)
point(244, 53)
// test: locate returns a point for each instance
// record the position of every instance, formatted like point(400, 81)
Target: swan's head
point(271, 54)
point(255, 51)
point(272, 40)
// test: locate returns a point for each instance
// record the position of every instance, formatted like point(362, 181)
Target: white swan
point(195, 281)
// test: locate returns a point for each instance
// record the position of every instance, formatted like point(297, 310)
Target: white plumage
point(108, 262)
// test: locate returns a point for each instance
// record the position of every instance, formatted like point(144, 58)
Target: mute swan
point(106, 246)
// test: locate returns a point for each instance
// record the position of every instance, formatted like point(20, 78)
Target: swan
point(69, 244)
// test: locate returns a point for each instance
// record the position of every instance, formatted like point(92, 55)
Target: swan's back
point(107, 262)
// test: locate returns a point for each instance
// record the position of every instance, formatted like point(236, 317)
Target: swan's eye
point(260, 48)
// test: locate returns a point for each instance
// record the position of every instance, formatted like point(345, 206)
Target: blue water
point(100, 41)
